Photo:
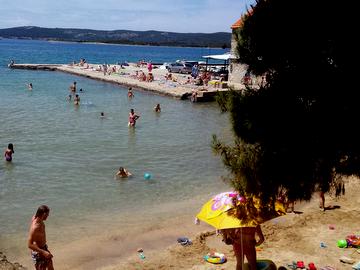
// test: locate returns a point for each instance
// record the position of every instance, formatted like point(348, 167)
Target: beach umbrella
point(223, 211)
point(230, 210)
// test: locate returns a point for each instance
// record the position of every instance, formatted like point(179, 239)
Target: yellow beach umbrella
point(220, 212)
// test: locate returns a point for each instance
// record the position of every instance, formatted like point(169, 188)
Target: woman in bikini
point(132, 118)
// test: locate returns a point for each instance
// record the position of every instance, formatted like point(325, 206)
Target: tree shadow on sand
point(331, 207)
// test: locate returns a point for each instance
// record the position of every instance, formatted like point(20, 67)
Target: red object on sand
point(332, 227)
point(300, 264)
point(312, 266)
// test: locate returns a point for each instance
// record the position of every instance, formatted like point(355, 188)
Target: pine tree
point(297, 133)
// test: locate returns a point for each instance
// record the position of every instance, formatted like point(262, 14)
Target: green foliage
point(299, 132)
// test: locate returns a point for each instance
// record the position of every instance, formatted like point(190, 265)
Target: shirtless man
point(37, 240)
point(244, 243)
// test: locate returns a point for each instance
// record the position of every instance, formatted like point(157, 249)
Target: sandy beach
point(308, 235)
point(179, 86)
point(295, 237)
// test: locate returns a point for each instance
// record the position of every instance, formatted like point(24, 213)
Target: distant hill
point(156, 38)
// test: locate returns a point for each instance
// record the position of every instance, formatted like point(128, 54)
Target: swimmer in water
point(157, 108)
point(102, 115)
point(73, 88)
point(8, 152)
point(30, 86)
point(68, 98)
point(132, 118)
point(130, 93)
point(76, 100)
point(123, 173)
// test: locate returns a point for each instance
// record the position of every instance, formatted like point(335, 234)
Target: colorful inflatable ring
point(215, 258)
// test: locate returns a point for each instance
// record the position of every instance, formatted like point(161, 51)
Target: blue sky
point(185, 16)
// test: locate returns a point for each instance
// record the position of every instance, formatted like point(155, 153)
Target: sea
point(66, 156)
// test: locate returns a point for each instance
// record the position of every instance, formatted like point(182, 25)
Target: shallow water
point(66, 156)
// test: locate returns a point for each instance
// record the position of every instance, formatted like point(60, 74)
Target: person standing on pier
point(149, 66)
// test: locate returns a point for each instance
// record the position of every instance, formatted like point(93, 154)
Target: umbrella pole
point(242, 251)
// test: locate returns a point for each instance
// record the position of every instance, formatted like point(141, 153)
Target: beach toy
point(141, 253)
point(342, 243)
point(184, 241)
point(300, 264)
point(263, 264)
point(147, 176)
point(215, 258)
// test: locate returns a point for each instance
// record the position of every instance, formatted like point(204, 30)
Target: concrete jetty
point(178, 87)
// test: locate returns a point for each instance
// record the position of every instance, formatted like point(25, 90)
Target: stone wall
point(236, 70)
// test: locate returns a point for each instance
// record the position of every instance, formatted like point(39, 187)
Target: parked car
point(179, 67)
point(192, 63)
point(220, 71)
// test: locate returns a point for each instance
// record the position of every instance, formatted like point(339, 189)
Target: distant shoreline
point(106, 43)
point(125, 37)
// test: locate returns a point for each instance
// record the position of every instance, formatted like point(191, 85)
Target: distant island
point(154, 38)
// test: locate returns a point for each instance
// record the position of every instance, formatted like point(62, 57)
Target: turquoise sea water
point(66, 156)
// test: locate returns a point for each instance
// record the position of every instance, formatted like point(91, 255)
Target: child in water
point(130, 93)
point(122, 173)
point(8, 152)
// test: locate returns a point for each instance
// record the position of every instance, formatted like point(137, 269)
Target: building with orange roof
point(236, 69)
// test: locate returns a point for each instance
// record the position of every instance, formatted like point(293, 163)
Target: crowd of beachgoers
point(199, 78)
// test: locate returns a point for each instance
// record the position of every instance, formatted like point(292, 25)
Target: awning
point(225, 56)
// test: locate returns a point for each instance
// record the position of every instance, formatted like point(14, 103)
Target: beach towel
point(356, 266)
point(327, 268)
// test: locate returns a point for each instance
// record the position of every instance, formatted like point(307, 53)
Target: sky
point(183, 16)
